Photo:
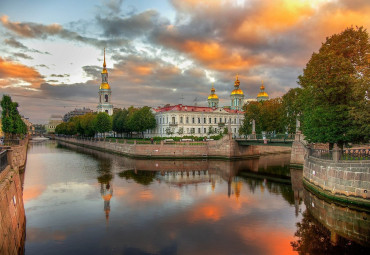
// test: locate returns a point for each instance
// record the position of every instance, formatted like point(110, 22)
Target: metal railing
point(347, 154)
point(355, 154)
point(3, 160)
point(321, 154)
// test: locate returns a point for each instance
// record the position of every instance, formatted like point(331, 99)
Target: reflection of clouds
point(270, 241)
point(32, 192)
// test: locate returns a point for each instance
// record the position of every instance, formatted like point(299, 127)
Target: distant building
point(76, 112)
point(105, 92)
point(30, 127)
point(185, 120)
point(54, 121)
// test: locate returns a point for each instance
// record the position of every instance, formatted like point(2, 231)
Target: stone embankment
point(12, 215)
point(344, 180)
point(225, 148)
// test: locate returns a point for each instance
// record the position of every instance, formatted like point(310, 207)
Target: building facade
point(76, 112)
point(54, 121)
point(185, 120)
point(105, 92)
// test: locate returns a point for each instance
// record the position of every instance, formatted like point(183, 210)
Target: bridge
point(267, 139)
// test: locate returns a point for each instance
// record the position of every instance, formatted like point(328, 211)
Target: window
point(205, 130)
point(193, 119)
point(215, 120)
point(210, 120)
point(106, 98)
point(205, 121)
point(160, 120)
point(199, 130)
point(199, 121)
point(181, 119)
point(173, 120)
point(220, 119)
point(187, 120)
point(106, 111)
point(167, 119)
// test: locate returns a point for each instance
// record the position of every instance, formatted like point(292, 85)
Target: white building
point(105, 92)
point(183, 120)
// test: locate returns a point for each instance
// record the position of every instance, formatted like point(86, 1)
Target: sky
point(161, 51)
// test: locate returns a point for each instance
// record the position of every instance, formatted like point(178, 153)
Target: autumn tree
point(335, 87)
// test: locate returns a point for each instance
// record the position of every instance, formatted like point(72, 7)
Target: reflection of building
point(54, 121)
point(105, 92)
point(76, 112)
point(180, 178)
point(106, 192)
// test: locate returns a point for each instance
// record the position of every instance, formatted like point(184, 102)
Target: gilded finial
point(104, 65)
point(237, 75)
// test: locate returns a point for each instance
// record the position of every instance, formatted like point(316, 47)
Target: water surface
point(80, 201)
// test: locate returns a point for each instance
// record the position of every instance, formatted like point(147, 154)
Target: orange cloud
point(32, 192)
point(12, 73)
point(30, 30)
point(206, 212)
point(215, 56)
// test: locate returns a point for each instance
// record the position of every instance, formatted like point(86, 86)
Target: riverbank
point(12, 214)
point(225, 148)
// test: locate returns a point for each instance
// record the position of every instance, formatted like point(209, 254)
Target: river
point(80, 201)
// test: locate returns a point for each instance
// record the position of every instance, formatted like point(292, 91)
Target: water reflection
point(158, 206)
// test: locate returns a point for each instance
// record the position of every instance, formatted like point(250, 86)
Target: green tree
point(180, 131)
point(292, 108)
point(335, 84)
point(103, 123)
point(12, 123)
point(143, 119)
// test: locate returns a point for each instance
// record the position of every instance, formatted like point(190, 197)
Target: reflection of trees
point(141, 177)
point(314, 238)
point(273, 187)
point(104, 171)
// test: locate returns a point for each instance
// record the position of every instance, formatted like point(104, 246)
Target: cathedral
point(105, 92)
point(182, 120)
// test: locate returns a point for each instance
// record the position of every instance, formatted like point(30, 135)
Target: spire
point(237, 82)
point(104, 65)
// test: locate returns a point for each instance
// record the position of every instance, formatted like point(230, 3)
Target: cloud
point(14, 43)
point(136, 25)
point(14, 74)
point(35, 30)
point(60, 75)
point(22, 55)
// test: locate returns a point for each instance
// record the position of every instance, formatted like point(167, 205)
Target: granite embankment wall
point(224, 148)
point(12, 215)
point(343, 221)
point(346, 181)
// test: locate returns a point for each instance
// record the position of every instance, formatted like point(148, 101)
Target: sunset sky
point(159, 51)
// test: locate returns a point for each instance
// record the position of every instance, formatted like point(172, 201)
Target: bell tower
point(237, 96)
point(105, 92)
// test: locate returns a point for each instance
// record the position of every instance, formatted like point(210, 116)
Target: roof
point(188, 108)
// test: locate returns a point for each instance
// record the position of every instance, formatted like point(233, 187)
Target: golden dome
point(262, 94)
point(104, 71)
point(237, 92)
point(212, 96)
point(104, 86)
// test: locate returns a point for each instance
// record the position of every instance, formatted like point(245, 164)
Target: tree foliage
point(335, 86)
point(12, 123)
point(268, 116)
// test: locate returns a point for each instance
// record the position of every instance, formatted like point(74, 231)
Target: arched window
point(106, 98)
